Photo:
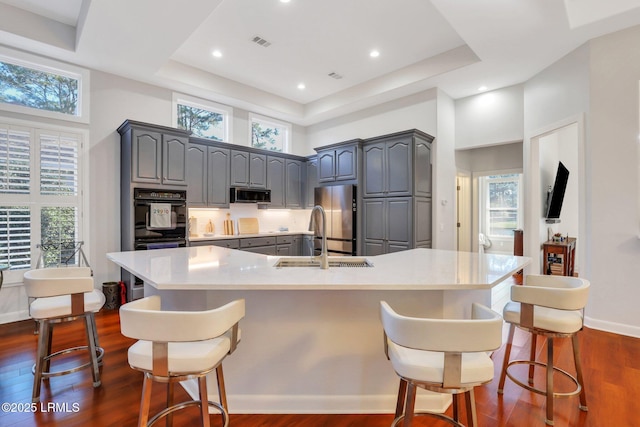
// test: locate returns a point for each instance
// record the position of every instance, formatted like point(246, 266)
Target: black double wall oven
point(160, 218)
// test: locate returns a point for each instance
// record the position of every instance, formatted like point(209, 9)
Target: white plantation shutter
point(40, 194)
point(58, 164)
point(15, 234)
point(15, 157)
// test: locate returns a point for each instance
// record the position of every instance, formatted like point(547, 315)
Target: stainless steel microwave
point(250, 195)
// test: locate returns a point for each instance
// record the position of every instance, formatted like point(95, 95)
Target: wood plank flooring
point(611, 367)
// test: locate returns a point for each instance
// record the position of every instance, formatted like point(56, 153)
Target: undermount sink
point(315, 262)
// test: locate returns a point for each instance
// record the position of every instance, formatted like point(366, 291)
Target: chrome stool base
point(566, 374)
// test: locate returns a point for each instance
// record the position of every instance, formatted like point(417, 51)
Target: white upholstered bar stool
point(177, 346)
point(440, 355)
point(63, 295)
point(552, 307)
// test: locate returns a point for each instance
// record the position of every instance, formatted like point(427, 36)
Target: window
point(204, 119)
point(42, 87)
point(40, 197)
point(269, 134)
point(502, 206)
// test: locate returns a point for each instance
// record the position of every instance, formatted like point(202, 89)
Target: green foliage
point(58, 235)
point(37, 89)
point(264, 138)
point(198, 121)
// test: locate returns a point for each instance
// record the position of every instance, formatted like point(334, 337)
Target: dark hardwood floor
point(611, 368)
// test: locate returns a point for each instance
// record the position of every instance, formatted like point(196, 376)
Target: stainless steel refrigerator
point(340, 205)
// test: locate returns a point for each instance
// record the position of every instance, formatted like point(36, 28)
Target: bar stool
point(440, 355)
point(177, 346)
point(552, 307)
point(63, 295)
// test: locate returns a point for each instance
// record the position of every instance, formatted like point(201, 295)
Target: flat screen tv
point(555, 198)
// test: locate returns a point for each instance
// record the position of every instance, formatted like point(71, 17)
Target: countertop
point(217, 268)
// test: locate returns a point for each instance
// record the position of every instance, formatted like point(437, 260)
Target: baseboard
point(14, 316)
point(319, 404)
point(613, 327)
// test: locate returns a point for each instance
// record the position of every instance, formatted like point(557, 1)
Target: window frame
point(286, 148)
point(224, 110)
point(36, 201)
point(483, 199)
point(54, 67)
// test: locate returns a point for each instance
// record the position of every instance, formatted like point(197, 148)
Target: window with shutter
point(40, 194)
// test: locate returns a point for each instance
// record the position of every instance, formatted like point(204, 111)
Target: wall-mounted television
point(556, 195)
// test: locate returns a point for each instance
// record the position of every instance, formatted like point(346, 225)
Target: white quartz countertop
point(217, 268)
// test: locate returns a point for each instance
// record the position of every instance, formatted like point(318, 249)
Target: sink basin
point(315, 262)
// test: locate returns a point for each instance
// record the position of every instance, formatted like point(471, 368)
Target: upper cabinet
point(311, 181)
point(338, 162)
point(208, 175)
point(285, 178)
point(248, 169)
point(155, 154)
point(294, 184)
point(397, 165)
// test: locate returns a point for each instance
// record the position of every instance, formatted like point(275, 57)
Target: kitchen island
point(312, 338)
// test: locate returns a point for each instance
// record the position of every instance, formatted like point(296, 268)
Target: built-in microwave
point(250, 195)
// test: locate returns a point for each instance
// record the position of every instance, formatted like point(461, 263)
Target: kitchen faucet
point(324, 260)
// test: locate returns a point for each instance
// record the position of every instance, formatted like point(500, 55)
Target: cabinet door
point(326, 166)
point(218, 163)
point(265, 250)
point(294, 179)
point(174, 159)
point(374, 170)
point(146, 156)
point(312, 181)
point(197, 175)
point(346, 163)
point(374, 230)
point(398, 167)
point(239, 168)
point(422, 172)
point(422, 222)
point(276, 181)
point(283, 250)
point(399, 222)
point(258, 170)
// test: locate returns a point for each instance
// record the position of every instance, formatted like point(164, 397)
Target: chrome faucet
point(324, 259)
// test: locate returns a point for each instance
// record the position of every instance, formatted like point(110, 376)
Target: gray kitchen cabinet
point(154, 154)
point(276, 181)
point(285, 179)
point(248, 169)
point(307, 245)
point(388, 225)
point(338, 162)
point(224, 243)
point(259, 245)
point(387, 168)
point(294, 183)
point(312, 181)
point(208, 176)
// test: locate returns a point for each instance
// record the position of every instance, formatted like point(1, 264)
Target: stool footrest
point(439, 416)
point(577, 390)
point(47, 374)
point(186, 404)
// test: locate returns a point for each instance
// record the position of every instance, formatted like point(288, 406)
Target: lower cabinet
point(287, 245)
point(395, 224)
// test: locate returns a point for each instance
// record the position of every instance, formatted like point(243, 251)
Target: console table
point(559, 257)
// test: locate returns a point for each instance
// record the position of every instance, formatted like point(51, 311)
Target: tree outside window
point(502, 204)
point(269, 135)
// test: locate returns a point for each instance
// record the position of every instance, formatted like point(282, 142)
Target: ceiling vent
point(335, 76)
point(262, 42)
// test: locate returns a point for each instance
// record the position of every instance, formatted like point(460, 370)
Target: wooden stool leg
point(204, 399)
point(549, 419)
point(170, 394)
point(145, 401)
point(41, 352)
point(576, 358)
point(222, 391)
point(505, 361)
point(472, 417)
point(454, 404)
point(532, 356)
point(402, 395)
point(410, 405)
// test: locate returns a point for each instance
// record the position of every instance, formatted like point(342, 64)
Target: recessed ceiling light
point(301, 86)
point(216, 53)
point(374, 54)
point(285, 1)
point(482, 88)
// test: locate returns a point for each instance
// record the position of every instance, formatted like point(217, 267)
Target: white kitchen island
point(312, 338)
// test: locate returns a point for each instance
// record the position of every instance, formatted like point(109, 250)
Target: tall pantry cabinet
point(396, 192)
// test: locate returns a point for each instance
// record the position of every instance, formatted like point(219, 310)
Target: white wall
point(444, 169)
point(490, 118)
point(613, 191)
